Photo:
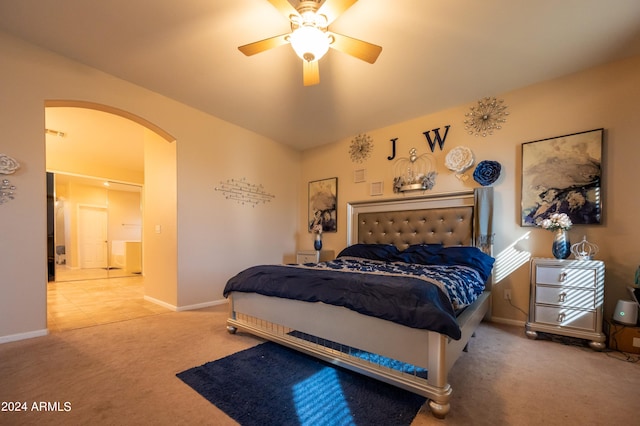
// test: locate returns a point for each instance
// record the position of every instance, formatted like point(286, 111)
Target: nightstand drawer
point(566, 317)
point(313, 256)
point(567, 297)
point(572, 277)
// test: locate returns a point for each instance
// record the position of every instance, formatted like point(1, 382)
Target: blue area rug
point(273, 385)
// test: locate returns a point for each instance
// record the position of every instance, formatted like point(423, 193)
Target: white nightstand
point(314, 256)
point(567, 298)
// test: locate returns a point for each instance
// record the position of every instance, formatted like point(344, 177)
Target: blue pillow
point(424, 248)
point(384, 252)
point(436, 254)
point(468, 256)
point(425, 254)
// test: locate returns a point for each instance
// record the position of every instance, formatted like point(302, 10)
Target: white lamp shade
point(626, 312)
point(310, 43)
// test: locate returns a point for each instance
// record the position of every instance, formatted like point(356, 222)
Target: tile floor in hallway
point(85, 303)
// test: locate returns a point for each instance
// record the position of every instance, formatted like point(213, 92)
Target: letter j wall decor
point(563, 175)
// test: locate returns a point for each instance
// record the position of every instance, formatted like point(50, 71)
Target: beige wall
point(607, 96)
point(159, 233)
point(215, 237)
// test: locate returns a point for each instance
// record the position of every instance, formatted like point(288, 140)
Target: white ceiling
point(436, 54)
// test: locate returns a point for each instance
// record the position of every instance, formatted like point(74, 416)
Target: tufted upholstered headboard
point(442, 218)
point(448, 226)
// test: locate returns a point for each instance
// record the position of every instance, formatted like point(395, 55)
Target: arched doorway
point(89, 145)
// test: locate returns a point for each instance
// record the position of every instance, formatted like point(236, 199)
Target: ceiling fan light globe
point(309, 43)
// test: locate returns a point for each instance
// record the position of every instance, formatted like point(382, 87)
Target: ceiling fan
point(310, 37)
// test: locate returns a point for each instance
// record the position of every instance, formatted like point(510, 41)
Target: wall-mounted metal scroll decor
point(244, 192)
point(8, 166)
point(7, 191)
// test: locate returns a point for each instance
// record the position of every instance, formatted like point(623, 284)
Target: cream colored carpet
point(124, 374)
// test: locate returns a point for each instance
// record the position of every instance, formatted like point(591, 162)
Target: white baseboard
point(203, 305)
point(161, 303)
point(187, 307)
point(22, 336)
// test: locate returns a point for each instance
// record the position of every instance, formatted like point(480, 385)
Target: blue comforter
point(417, 296)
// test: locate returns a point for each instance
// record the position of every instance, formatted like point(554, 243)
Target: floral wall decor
point(458, 160)
point(8, 165)
point(485, 117)
point(487, 172)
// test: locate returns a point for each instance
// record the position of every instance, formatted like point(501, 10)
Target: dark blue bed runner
point(405, 300)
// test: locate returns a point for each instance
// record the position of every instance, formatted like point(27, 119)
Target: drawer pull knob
point(563, 276)
point(560, 317)
point(562, 297)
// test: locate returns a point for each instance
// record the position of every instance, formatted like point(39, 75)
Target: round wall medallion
point(361, 147)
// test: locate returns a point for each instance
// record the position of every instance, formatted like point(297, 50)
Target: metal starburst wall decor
point(486, 117)
point(361, 147)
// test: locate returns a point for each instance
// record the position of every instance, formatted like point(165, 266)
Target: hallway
point(79, 304)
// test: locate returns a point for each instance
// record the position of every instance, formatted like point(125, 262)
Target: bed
point(414, 357)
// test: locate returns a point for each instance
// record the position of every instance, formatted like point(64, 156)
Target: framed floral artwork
point(323, 203)
point(563, 175)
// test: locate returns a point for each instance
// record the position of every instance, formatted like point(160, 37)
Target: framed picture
point(562, 175)
point(323, 204)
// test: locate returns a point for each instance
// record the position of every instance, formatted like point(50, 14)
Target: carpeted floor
point(124, 373)
point(273, 385)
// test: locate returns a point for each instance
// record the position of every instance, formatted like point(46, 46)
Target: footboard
point(360, 343)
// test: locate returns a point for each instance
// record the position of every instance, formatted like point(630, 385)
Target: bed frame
point(336, 334)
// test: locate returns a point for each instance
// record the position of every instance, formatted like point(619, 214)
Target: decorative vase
point(317, 243)
point(561, 247)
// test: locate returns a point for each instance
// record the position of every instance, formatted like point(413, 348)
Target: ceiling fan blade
point(262, 45)
point(310, 73)
point(334, 8)
point(360, 49)
point(284, 7)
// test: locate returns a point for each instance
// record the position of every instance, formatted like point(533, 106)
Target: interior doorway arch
point(112, 110)
point(148, 136)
